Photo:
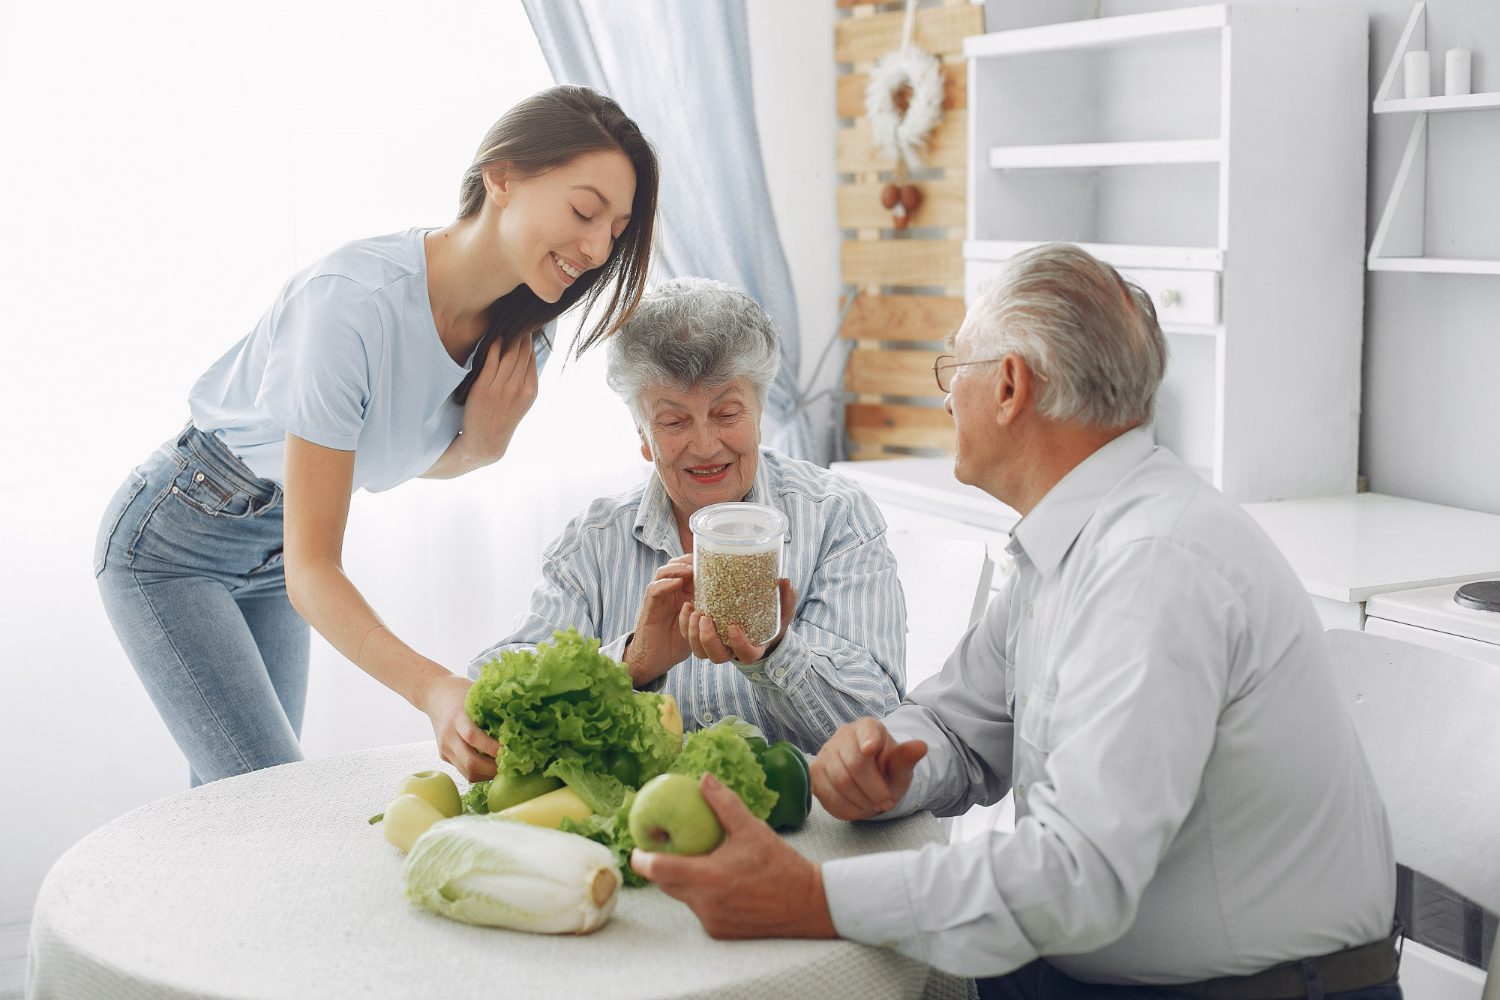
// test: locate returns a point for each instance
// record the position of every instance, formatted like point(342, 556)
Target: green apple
point(670, 814)
point(436, 787)
point(512, 789)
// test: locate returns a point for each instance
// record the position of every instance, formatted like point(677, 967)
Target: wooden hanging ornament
point(904, 103)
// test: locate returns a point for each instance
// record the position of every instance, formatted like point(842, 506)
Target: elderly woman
point(694, 364)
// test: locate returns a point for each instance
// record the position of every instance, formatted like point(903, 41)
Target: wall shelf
point(1456, 102)
point(1107, 154)
point(1400, 237)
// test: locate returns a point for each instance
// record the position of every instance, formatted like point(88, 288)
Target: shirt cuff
point(780, 668)
point(868, 899)
point(906, 724)
point(615, 648)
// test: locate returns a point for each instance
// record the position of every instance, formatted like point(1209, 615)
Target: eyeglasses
point(942, 369)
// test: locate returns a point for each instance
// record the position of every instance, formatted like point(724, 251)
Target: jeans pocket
point(113, 515)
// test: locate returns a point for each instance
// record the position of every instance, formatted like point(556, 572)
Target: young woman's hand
point(500, 396)
point(460, 742)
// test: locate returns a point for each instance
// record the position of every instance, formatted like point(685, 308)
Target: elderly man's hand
point(658, 644)
point(862, 771)
point(753, 885)
point(704, 637)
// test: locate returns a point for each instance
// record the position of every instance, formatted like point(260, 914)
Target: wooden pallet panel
point(903, 317)
point(855, 151)
point(891, 373)
point(939, 30)
point(902, 262)
point(943, 205)
point(850, 90)
point(898, 425)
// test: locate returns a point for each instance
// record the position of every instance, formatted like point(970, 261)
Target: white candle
point(1456, 72)
point(1418, 74)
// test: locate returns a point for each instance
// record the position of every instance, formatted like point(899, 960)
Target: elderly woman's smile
point(703, 440)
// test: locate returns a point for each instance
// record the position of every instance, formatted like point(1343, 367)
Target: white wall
point(791, 47)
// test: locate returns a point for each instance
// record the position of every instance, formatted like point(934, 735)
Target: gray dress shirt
point(1191, 797)
point(842, 657)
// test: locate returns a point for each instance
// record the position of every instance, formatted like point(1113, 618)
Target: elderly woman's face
point(703, 441)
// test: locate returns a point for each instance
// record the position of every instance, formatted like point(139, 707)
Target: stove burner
point(1483, 595)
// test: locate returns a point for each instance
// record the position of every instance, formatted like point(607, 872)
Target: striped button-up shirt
point(843, 655)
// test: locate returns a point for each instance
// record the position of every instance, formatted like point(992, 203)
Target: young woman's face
point(557, 225)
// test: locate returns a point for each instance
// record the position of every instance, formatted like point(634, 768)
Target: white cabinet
point(1216, 156)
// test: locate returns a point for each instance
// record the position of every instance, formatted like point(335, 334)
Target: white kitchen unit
point(1347, 549)
point(920, 495)
point(1162, 143)
point(1451, 935)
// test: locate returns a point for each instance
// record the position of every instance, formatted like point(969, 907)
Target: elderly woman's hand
point(657, 645)
point(706, 641)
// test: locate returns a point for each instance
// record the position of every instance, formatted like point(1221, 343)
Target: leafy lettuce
point(722, 749)
point(569, 710)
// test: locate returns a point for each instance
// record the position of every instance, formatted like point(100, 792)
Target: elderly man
point(1194, 813)
point(694, 364)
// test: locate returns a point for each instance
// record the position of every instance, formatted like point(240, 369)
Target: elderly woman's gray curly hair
point(689, 332)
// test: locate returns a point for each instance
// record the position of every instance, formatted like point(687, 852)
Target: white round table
point(273, 885)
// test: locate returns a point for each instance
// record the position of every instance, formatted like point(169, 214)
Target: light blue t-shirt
point(347, 357)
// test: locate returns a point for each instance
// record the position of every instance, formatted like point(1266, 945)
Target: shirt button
point(779, 673)
point(1030, 611)
point(758, 676)
point(1021, 791)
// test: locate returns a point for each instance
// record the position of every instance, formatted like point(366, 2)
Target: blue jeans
point(189, 564)
point(1040, 981)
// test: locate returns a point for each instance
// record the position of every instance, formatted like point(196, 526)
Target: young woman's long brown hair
point(545, 131)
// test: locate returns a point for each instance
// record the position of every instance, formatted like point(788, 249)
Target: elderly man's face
point(703, 441)
point(971, 403)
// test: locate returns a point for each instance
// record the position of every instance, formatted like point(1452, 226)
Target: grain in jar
point(737, 553)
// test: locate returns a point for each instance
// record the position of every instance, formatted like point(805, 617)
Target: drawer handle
point(1170, 297)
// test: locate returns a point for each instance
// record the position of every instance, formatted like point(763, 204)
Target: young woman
point(407, 355)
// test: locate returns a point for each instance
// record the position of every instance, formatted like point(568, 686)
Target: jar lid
point(1481, 596)
point(736, 524)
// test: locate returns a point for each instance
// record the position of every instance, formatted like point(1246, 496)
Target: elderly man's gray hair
point(1092, 335)
point(692, 331)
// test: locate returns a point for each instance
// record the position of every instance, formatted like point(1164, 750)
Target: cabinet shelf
point(1096, 33)
point(1118, 254)
point(1107, 154)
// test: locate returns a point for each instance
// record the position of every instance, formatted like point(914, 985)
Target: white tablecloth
point(273, 885)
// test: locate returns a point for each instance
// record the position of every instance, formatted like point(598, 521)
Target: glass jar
point(737, 554)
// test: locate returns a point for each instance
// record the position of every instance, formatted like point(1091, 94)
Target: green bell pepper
point(787, 775)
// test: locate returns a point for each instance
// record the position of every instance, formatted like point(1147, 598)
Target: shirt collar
point(1046, 534)
point(656, 526)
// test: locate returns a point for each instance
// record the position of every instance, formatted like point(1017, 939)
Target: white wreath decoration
point(904, 136)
